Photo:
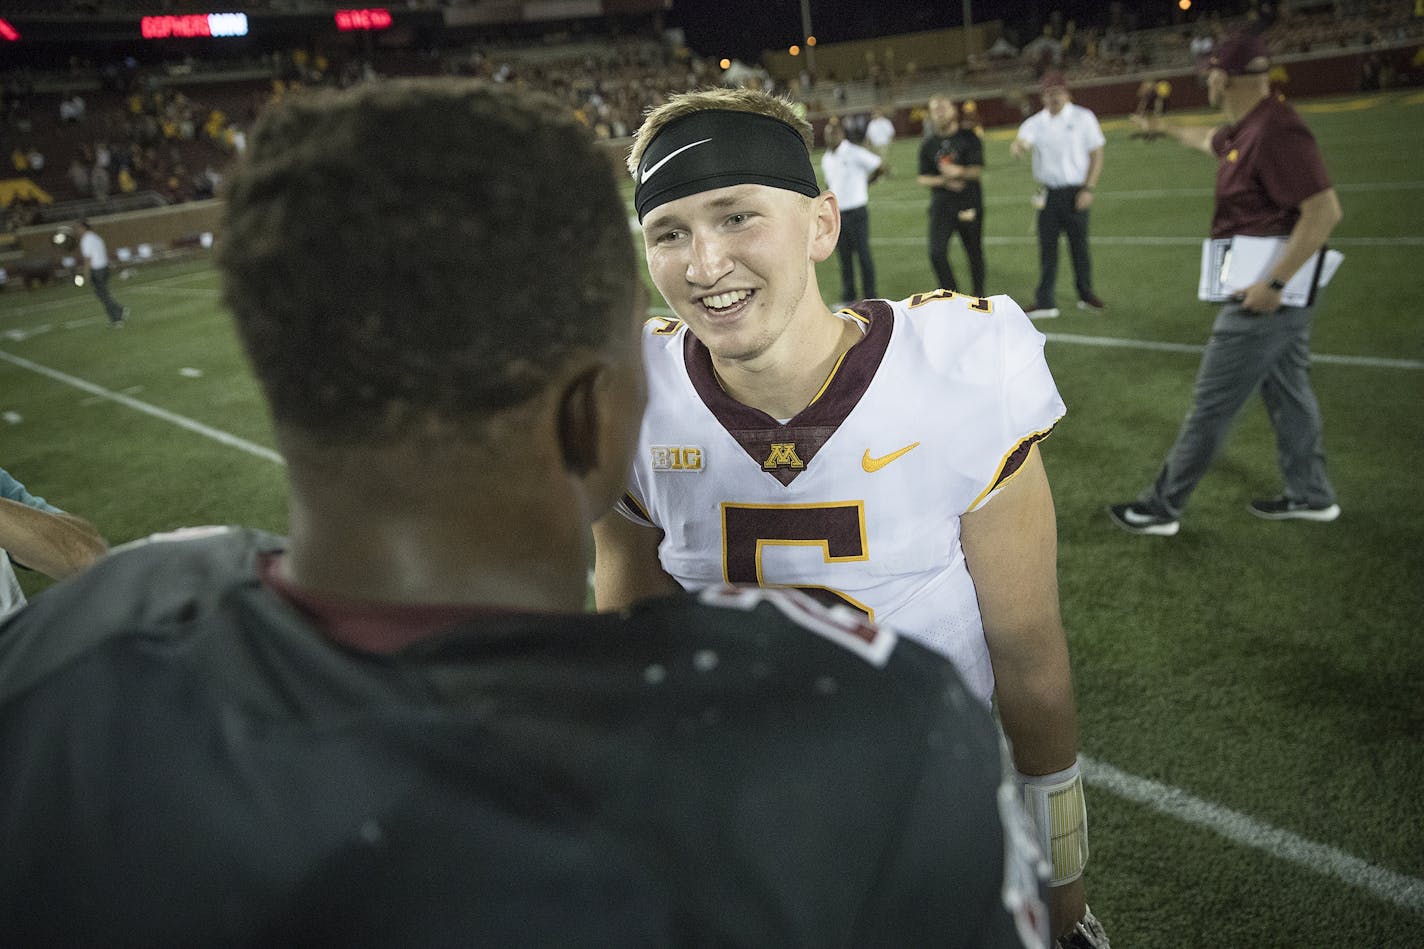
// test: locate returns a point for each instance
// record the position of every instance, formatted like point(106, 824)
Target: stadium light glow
point(193, 25)
point(8, 32)
point(794, 50)
point(810, 41)
point(370, 19)
point(725, 64)
point(1184, 4)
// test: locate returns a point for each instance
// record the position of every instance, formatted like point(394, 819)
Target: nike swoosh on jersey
point(653, 169)
point(875, 464)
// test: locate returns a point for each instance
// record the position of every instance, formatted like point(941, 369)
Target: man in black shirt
point(399, 726)
point(951, 165)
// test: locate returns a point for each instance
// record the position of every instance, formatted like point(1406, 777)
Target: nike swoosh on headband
point(649, 172)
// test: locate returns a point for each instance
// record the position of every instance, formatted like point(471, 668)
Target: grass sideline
point(1268, 672)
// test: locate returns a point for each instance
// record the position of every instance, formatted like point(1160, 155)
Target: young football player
point(882, 457)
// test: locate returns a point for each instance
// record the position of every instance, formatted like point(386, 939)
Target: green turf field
point(1251, 693)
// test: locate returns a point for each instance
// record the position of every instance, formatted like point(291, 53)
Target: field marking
point(1395, 888)
point(19, 334)
point(1195, 349)
point(1114, 342)
point(1403, 891)
point(143, 285)
point(182, 421)
point(1409, 241)
point(202, 291)
point(1017, 197)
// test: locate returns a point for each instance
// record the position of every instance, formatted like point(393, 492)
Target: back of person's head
point(411, 256)
point(684, 104)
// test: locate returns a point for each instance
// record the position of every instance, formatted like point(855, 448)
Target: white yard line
point(1020, 194)
point(1371, 362)
point(1403, 891)
point(1396, 888)
point(182, 421)
point(1160, 241)
point(1114, 342)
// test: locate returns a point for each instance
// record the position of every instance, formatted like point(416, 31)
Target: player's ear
point(599, 414)
point(579, 422)
point(825, 225)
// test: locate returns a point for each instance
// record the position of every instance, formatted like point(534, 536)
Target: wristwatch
point(1276, 284)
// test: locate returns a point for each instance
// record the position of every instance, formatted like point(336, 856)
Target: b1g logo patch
point(676, 457)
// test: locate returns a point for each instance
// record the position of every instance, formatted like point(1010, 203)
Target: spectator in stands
point(99, 182)
point(879, 135)
point(78, 174)
point(1044, 53)
point(1066, 143)
point(95, 254)
point(1201, 47)
point(72, 109)
point(36, 535)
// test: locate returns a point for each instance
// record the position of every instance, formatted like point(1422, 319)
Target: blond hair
point(725, 100)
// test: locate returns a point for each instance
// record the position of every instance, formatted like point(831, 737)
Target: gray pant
point(99, 279)
point(1247, 351)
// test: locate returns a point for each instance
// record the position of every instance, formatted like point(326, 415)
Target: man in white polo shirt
point(96, 269)
point(879, 134)
point(1067, 147)
point(849, 169)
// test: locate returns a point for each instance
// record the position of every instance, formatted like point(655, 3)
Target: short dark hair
point(420, 250)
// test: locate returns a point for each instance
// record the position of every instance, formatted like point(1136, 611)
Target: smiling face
point(737, 265)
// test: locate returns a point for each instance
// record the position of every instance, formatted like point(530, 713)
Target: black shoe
point(1091, 302)
point(1139, 519)
point(1285, 509)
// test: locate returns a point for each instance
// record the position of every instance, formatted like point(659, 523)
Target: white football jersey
point(857, 498)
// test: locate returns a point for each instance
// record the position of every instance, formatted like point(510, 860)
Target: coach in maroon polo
point(1270, 182)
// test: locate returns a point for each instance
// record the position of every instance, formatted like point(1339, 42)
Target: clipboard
point(1230, 265)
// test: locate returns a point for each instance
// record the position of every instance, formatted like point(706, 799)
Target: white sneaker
point(1043, 313)
point(1138, 519)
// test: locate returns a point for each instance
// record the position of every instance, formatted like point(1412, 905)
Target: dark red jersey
point(1268, 164)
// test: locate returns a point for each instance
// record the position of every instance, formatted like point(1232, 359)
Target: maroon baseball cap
point(1241, 54)
point(1052, 80)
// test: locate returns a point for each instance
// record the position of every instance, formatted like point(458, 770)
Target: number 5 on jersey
point(837, 528)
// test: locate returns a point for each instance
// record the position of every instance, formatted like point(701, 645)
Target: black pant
point(854, 244)
point(1059, 216)
point(946, 221)
point(99, 277)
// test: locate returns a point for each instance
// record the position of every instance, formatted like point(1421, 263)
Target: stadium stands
point(170, 127)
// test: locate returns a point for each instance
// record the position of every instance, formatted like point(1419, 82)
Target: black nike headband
point(719, 148)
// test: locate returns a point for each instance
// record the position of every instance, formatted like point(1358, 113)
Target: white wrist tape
point(1055, 804)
